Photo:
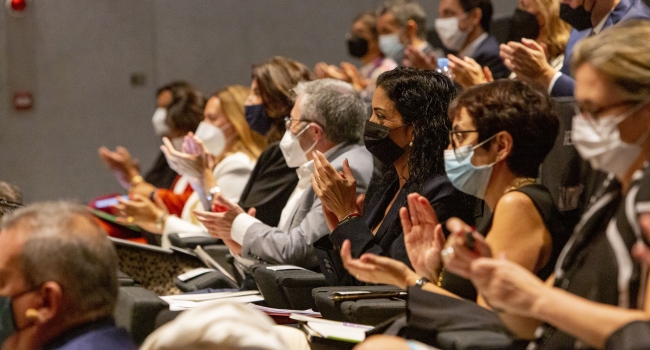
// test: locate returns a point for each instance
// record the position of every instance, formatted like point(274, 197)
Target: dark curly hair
point(521, 110)
point(421, 97)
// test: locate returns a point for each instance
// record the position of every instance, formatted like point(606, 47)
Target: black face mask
point(578, 18)
point(257, 118)
point(357, 46)
point(380, 145)
point(523, 25)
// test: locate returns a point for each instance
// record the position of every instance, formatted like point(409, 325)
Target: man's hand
point(528, 60)
point(377, 269)
point(138, 210)
point(467, 72)
point(418, 59)
point(219, 224)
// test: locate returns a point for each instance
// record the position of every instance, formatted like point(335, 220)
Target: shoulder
point(234, 161)
point(356, 154)
point(637, 10)
point(489, 46)
point(515, 204)
point(108, 338)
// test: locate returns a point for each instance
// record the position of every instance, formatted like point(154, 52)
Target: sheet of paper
point(284, 267)
point(208, 296)
point(179, 305)
point(194, 273)
point(288, 312)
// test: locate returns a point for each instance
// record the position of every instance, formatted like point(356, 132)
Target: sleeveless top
point(552, 218)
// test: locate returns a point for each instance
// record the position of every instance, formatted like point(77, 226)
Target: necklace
point(521, 183)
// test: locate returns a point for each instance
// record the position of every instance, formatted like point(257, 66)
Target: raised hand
point(219, 224)
point(189, 164)
point(121, 163)
point(418, 59)
point(456, 256)
point(357, 81)
point(467, 72)
point(528, 60)
point(139, 210)
point(337, 191)
point(377, 269)
point(423, 236)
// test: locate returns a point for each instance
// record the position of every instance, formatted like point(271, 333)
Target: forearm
point(589, 321)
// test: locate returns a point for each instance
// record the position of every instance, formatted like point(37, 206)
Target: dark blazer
point(389, 240)
point(487, 54)
point(160, 175)
point(624, 11)
point(270, 186)
point(98, 335)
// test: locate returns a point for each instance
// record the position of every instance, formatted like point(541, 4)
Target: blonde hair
point(555, 33)
point(622, 53)
point(232, 104)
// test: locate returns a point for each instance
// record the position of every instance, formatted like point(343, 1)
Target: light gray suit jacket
point(293, 243)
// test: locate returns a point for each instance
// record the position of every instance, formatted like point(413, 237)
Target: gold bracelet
point(439, 282)
point(136, 180)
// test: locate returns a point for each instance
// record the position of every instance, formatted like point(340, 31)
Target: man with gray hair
point(402, 28)
point(58, 281)
point(328, 117)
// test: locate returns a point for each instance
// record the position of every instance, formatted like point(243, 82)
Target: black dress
point(389, 239)
point(270, 185)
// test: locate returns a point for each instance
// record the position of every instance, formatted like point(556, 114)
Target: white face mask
point(212, 136)
point(599, 142)
point(159, 122)
point(390, 45)
point(291, 150)
point(451, 36)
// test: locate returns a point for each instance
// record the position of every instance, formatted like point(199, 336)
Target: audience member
point(529, 61)
point(218, 159)
point(363, 43)
point(408, 133)
point(328, 117)
point(596, 279)
point(58, 280)
point(402, 28)
point(271, 99)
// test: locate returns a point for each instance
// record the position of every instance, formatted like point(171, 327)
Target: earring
point(411, 144)
point(32, 314)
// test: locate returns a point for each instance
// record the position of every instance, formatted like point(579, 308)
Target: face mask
point(464, 175)
point(578, 18)
point(452, 37)
point(379, 144)
point(600, 143)
point(291, 150)
point(159, 122)
point(7, 319)
point(212, 136)
point(390, 45)
point(357, 47)
point(257, 118)
point(523, 25)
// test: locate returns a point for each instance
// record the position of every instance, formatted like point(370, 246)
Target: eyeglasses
point(456, 137)
point(288, 121)
point(596, 113)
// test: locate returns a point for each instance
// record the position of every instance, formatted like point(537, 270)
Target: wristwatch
point(421, 282)
point(212, 192)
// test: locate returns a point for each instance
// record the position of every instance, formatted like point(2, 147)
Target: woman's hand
point(528, 60)
point(357, 81)
point(423, 236)
point(185, 163)
point(337, 192)
point(120, 161)
point(467, 72)
point(383, 342)
point(139, 210)
point(324, 70)
point(219, 224)
point(418, 59)
point(377, 269)
point(456, 256)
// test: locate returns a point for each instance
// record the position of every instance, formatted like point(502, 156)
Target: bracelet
point(421, 282)
point(136, 180)
point(439, 283)
point(212, 192)
point(349, 217)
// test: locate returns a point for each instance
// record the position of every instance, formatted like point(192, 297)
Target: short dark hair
point(369, 20)
point(185, 111)
point(404, 11)
point(486, 9)
point(173, 86)
point(526, 113)
point(422, 97)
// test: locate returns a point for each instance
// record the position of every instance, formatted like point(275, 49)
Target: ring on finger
point(130, 219)
point(447, 252)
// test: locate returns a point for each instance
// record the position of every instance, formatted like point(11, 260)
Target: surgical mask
point(390, 45)
point(257, 118)
point(357, 46)
point(578, 18)
point(464, 175)
point(523, 25)
point(379, 144)
point(451, 36)
point(159, 122)
point(291, 150)
point(7, 318)
point(213, 137)
point(600, 143)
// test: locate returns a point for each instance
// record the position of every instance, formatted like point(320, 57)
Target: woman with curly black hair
point(408, 132)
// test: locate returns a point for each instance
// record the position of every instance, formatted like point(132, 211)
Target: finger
point(405, 220)
point(456, 225)
point(220, 199)
point(439, 236)
point(425, 210)
point(315, 186)
point(360, 200)
point(252, 211)
point(488, 74)
point(346, 254)
point(532, 44)
point(412, 202)
point(347, 171)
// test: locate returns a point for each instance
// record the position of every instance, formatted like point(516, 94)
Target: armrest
point(136, 311)
point(192, 241)
point(288, 289)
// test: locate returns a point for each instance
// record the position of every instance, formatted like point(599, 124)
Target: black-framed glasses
point(456, 137)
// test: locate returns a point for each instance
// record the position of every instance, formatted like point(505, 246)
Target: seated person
point(530, 62)
point(363, 43)
point(270, 100)
point(219, 159)
point(183, 115)
point(328, 117)
point(58, 281)
point(402, 28)
point(408, 132)
point(501, 133)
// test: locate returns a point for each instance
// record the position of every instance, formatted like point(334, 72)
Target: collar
point(78, 331)
point(307, 169)
point(599, 27)
point(470, 49)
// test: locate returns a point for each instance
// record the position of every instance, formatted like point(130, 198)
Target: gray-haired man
point(329, 117)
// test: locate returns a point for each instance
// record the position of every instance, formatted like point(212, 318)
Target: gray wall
point(77, 58)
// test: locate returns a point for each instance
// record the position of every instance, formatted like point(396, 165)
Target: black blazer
point(160, 175)
point(389, 240)
point(487, 54)
point(270, 186)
